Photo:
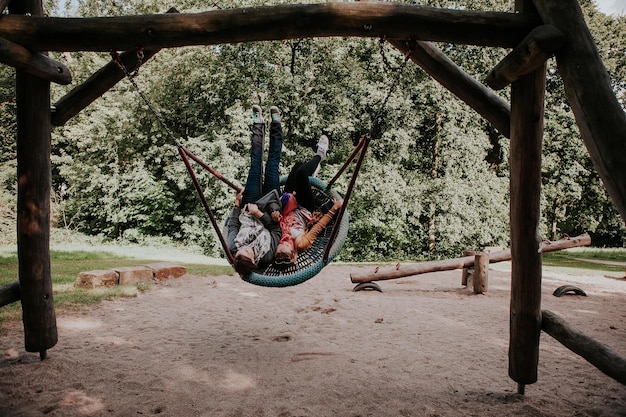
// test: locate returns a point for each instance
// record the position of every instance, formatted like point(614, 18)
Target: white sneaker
point(322, 146)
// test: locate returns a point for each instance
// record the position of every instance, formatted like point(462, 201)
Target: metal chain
point(381, 43)
point(378, 116)
point(140, 57)
point(118, 60)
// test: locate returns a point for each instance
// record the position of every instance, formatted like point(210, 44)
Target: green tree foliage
point(435, 179)
point(8, 173)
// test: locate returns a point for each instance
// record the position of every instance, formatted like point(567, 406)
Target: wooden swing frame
point(26, 35)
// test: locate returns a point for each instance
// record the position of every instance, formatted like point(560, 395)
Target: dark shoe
point(257, 114)
point(275, 114)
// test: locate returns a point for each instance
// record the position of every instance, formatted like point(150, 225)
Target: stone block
point(132, 275)
point(97, 279)
point(165, 270)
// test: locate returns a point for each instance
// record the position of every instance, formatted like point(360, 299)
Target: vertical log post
point(467, 272)
point(33, 202)
point(527, 98)
point(481, 272)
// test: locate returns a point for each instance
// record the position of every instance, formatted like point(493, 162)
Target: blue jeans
point(255, 188)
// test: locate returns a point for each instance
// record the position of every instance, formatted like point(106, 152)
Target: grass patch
point(605, 254)
point(583, 258)
point(65, 266)
point(201, 269)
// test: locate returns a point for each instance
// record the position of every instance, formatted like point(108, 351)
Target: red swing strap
point(363, 144)
point(359, 151)
point(203, 164)
point(184, 152)
point(185, 155)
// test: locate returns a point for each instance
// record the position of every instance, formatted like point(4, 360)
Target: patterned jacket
point(262, 235)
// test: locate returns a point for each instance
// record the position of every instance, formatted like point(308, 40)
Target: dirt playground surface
point(217, 346)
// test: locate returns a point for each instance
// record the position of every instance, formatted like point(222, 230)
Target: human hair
point(243, 265)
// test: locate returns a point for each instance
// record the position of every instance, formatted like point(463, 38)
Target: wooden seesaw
point(479, 261)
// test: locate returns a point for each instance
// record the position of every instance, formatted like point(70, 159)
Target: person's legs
point(304, 192)
point(272, 177)
point(309, 167)
point(298, 179)
point(290, 184)
point(253, 188)
point(298, 182)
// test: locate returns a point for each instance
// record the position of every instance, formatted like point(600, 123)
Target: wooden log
point(468, 271)
point(288, 21)
point(379, 274)
point(33, 202)
point(9, 293)
point(599, 115)
point(598, 354)
point(527, 113)
point(480, 279)
point(530, 54)
point(480, 98)
point(34, 63)
point(95, 86)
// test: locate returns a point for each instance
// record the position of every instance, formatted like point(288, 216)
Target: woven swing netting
point(311, 261)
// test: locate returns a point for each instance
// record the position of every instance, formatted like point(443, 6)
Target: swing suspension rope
point(308, 265)
point(131, 77)
point(398, 70)
point(183, 151)
point(363, 144)
point(327, 243)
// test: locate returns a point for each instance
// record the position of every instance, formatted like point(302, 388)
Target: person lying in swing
point(299, 226)
point(253, 231)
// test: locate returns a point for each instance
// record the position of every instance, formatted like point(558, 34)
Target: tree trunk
point(432, 224)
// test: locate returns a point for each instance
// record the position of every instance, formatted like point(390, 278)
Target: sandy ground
point(217, 346)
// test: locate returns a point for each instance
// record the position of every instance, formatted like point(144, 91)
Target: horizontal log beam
point(395, 21)
point(380, 274)
point(599, 355)
point(480, 98)
point(599, 115)
point(95, 86)
point(10, 293)
point(35, 64)
point(530, 54)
